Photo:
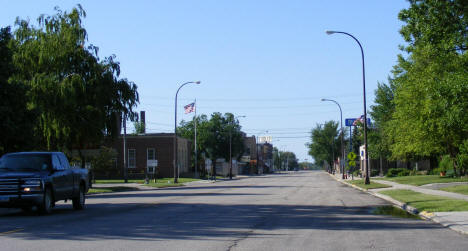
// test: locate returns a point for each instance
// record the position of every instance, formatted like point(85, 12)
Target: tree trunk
point(83, 162)
point(381, 168)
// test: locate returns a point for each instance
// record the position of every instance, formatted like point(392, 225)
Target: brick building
point(144, 148)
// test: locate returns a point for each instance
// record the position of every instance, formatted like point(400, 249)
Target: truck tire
point(79, 201)
point(47, 202)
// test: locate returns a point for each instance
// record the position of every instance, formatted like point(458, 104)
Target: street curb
point(424, 215)
point(397, 203)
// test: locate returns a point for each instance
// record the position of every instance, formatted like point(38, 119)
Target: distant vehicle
point(40, 179)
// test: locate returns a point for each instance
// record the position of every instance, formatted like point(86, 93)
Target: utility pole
point(195, 140)
point(125, 147)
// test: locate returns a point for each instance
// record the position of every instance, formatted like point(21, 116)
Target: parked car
point(40, 179)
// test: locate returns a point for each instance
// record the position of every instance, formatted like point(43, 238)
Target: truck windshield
point(25, 162)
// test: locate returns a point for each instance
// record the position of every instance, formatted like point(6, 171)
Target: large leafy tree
point(325, 143)
point(16, 126)
point(214, 135)
point(186, 130)
point(287, 160)
point(78, 96)
point(381, 113)
point(431, 81)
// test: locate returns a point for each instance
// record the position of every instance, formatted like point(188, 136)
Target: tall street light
point(230, 147)
point(176, 167)
point(257, 146)
point(342, 144)
point(366, 161)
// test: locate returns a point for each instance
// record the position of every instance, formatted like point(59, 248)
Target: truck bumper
point(17, 201)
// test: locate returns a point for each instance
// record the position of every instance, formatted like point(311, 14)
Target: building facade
point(144, 150)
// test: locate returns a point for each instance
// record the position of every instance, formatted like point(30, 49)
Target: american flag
point(360, 119)
point(189, 108)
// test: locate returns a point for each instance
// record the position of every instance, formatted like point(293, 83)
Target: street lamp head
point(197, 82)
point(323, 99)
point(330, 32)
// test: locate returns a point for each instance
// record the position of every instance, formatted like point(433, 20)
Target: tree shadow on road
point(197, 221)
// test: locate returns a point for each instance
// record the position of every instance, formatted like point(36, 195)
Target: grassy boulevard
point(372, 185)
point(426, 202)
point(420, 201)
point(419, 180)
point(160, 183)
point(461, 189)
point(111, 189)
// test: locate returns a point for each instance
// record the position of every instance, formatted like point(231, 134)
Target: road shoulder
point(457, 221)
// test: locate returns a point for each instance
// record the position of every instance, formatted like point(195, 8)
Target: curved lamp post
point(366, 161)
point(257, 146)
point(342, 141)
point(230, 147)
point(176, 167)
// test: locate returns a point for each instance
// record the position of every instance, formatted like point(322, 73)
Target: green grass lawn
point(372, 185)
point(419, 180)
point(163, 180)
point(116, 181)
point(462, 189)
point(169, 182)
point(111, 189)
point(394, 211)
point(426, 202)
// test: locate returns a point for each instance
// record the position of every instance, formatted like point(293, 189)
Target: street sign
point(350, 122)
point(152, 163)
point(352, 156)
point(264, 139)
point(352, 163)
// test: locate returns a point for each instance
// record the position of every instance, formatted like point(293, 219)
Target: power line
point(263, 99)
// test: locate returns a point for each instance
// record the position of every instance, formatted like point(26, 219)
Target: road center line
point(12, 231)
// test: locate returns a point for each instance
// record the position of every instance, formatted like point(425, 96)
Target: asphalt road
point(295, 211)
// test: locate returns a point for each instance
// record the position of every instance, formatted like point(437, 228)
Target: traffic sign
point(352, 156)
point(349, 122)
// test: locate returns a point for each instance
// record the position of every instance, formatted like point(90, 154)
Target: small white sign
point(152, 162)
point(264, 139)
point(245, 159)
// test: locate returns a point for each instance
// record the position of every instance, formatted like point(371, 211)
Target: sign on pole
point(264, 139)
point(350, 122)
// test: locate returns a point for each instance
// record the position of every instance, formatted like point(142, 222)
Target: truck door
point(70, 179)
point(59, 179)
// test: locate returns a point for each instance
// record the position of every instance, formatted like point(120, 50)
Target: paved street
point(295, 211)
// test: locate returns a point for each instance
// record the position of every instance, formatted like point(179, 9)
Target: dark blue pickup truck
point(29, 179)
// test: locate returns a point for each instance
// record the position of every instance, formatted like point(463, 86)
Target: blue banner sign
point(350, 122)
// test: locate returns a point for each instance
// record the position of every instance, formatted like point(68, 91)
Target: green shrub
point(445, 163)
point(397, 172)
point(375, 173)
point(357, 172)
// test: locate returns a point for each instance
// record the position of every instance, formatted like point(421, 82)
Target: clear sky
point(268, 60)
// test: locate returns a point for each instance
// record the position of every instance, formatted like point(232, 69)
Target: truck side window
point(56, 162)
point(64, 161)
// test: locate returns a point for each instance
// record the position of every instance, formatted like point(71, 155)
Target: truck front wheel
point(79, 201)
point(47, 202)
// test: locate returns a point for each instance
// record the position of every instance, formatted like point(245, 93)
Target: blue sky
point(268, 60)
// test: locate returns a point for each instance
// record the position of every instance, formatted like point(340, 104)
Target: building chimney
point(142, 120)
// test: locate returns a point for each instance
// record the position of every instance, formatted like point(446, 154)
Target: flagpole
point(195, 125)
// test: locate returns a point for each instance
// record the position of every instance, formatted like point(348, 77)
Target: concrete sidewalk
point(457, 221)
